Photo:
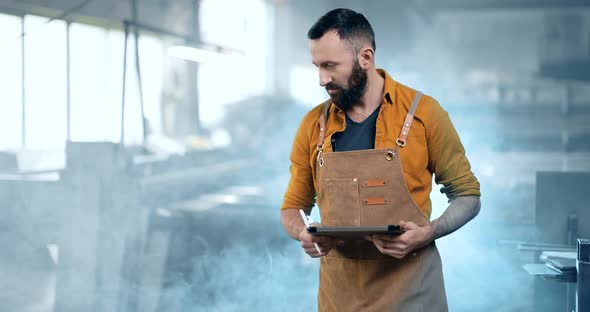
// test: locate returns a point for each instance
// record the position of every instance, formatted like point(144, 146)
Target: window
point(10, 82)
point(96, 84)
point(96, 72)
point(94, 114)
point(151, 56)
point(45, 83)
point(245, 28)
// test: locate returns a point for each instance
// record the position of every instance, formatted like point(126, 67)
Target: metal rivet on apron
point(354, 180)
point(407, 125)
point(321, 162)
point(405, 133)
point(390, 155)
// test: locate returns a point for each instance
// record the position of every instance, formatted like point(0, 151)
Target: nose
point(325, 78)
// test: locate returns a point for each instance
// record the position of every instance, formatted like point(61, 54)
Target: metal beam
point(160, 31)
point(22, 87)
point(501, 4)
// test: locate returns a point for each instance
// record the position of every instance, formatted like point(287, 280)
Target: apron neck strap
point(403, 135)
point(322, 122)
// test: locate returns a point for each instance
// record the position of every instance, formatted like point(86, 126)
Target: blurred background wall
point(144, 147)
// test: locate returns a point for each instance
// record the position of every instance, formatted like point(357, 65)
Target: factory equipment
point(563, 221)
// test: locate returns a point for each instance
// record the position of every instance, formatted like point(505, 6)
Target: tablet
point(354, 232)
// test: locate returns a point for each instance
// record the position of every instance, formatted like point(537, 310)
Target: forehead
point(330, 48)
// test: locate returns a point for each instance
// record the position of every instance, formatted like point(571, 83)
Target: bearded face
point(356, 85)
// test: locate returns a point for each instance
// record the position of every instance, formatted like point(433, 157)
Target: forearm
point(460, 211)
point(292, 223)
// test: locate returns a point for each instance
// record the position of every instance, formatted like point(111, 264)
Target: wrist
point(300, 230)
point(429, 231)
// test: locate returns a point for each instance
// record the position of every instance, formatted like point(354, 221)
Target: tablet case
point(354, 232)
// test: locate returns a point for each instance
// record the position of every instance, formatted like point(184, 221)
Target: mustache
point(333, 86)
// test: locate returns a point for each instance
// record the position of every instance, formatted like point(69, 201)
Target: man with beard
point(348, 154)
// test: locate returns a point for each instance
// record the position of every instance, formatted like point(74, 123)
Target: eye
point(330, 66)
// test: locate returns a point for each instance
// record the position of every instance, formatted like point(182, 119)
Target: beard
point(357, 85)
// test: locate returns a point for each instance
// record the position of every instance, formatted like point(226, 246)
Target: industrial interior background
point(144, 147)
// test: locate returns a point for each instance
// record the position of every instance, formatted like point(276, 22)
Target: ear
point(366, 57)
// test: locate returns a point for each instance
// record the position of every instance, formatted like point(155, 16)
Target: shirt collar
point(388, 86)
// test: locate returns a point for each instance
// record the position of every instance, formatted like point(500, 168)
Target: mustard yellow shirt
point(433, 148)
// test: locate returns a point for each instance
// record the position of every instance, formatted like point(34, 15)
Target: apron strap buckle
point(403, 135)
point(400, 142)
point(319, 158)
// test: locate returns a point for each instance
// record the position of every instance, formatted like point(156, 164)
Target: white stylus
point(307, 221)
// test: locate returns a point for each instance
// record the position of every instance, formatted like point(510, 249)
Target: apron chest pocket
point(341, 204)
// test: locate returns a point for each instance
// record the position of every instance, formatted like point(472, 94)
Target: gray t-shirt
point(357, 135)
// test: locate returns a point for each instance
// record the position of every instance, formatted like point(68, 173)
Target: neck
point(371, 99)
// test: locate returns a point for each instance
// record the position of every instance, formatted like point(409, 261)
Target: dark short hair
point(350, 26)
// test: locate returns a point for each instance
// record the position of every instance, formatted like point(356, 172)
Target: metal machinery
point(562, 224)
point(128, 231)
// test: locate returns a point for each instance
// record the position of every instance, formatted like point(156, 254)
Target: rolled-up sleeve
point(300, 192)
point(447, 159)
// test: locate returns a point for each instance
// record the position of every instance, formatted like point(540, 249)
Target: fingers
point(388, 238)
point(313, 252)
point(406, 226)
point(394, 248)
point(325, 244)
point(398, 254)
point(325, 240)
point(409, 232)
point(387, 245)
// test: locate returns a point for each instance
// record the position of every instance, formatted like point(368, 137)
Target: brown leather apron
point(364, 188)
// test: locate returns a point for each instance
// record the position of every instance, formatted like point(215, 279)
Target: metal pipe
point(68, 83)
point(23, 102)
point(194, 68)
point(124, 85)
point(135, 13)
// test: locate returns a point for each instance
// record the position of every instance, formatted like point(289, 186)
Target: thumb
point(408, 225)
